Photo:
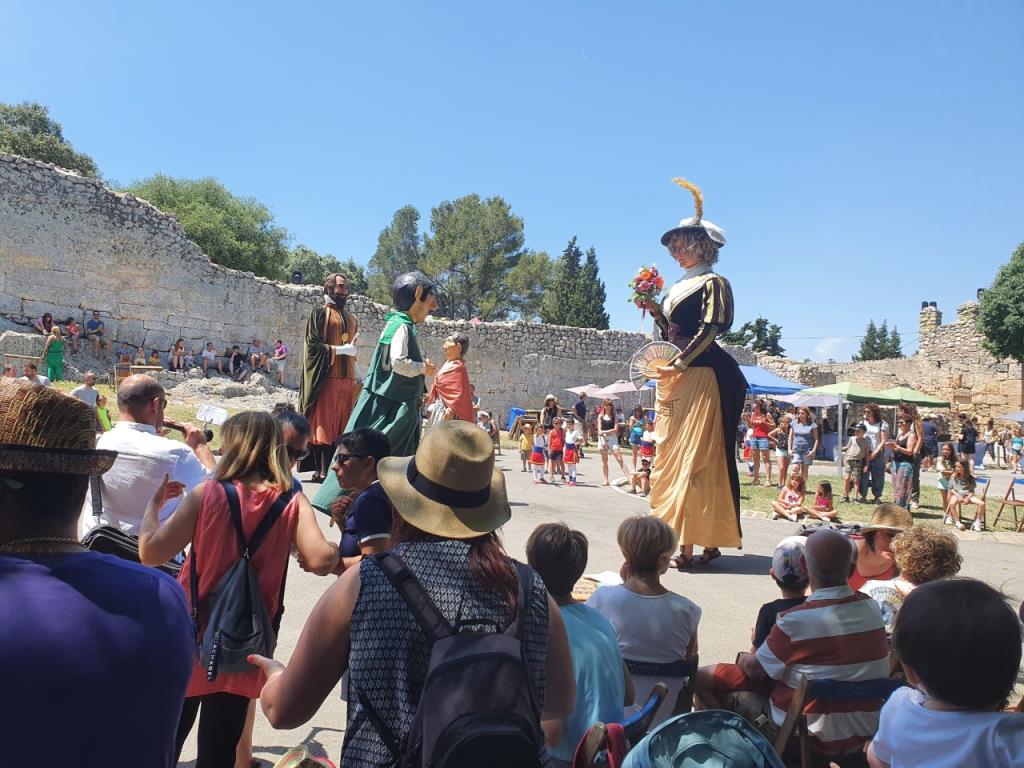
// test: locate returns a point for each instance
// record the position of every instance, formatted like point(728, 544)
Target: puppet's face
point(423, 306)
point(452, 349)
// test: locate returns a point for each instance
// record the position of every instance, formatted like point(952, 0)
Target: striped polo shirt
point(837, 634)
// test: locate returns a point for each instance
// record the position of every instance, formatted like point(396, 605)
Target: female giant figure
point(694, 484)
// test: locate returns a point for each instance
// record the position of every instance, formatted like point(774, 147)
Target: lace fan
point(646, 359)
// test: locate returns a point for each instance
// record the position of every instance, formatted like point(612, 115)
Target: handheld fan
point(646, 359)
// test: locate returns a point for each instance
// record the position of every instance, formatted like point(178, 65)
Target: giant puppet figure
point(328, 372)
point(694, 484)
point(451, 396)
point(394, 384)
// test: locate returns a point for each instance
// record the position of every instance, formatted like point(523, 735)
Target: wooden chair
point(593, 744)
point(1010, 500)
point(684, 668)
point(981, 486)
point(796, 719)
point(638, 724)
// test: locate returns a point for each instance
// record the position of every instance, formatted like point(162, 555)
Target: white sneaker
point(961, 527)
point(978, 526)
point(948, 520)
point(913, 505)
point(794, 518)
point(775, 515)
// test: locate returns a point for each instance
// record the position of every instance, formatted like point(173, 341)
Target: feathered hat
point(696, 222)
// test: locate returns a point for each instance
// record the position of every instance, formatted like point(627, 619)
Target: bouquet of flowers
point(647, 284)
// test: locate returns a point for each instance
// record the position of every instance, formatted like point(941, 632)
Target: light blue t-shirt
point(597, 666)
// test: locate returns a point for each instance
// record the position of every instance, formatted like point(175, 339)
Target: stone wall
point(69, 245)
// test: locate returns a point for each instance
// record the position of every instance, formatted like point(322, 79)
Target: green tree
point(560, 300)
point(315, 267)
point(234, 232)
point(879, 343)
point(399, 250)
point(473, 246)
point(528, 283)
point(27, 129)
point(589, 308)
point(1001, 310)
point(758, 335)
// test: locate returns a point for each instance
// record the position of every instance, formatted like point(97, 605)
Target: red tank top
point(216, 546)
point(556, 440)
point(759, 423)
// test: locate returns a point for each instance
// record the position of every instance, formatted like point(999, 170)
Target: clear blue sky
point(862, 157)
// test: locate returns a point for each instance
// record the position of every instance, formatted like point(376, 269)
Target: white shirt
point(209, 354)
point(40, 379)
point(88, 395)
point(654, 628)
point(909, 734)
point(573, 437)
point(143, 457)
point(873, 432)
point(398, 353)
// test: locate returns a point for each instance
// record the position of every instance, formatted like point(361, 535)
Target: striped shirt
point(837, 634)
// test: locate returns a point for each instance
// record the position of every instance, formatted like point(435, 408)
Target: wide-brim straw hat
point(42, 430)
point(889, 517)
point(451, 487)
point(696, 223)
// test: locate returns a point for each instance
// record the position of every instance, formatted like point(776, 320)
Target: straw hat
point(42, 430)
point(889, 517)
point(451, 487)
point(697, 222)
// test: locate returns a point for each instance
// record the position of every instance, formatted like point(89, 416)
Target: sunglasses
point(343, 457)
point(295, 455)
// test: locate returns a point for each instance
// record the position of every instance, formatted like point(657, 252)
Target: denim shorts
point(760, 444)
point(782, 453)
point(802, 457)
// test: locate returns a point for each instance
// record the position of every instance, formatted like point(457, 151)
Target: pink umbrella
point(588, 389)
point(618, 388)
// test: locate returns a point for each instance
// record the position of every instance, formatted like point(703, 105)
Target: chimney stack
point(930, 318)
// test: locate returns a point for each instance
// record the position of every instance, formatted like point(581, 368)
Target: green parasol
point(908, 395)
point(854, 393)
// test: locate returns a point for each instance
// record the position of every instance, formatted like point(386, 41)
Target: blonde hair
point(252, 443)
point(696, 241)
point(925, 553)
point(643, 540)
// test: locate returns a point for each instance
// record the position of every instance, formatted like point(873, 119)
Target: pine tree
point(879, 343)
point(868, 344)
point(590, 311)
point(895, 345)
point(560, 301)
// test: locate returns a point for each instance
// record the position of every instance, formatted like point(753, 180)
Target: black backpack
point(239, 623)
point(477, 707)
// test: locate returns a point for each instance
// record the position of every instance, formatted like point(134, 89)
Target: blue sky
point(862, 157)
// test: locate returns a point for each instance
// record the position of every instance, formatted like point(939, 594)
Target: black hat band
point(444, 495)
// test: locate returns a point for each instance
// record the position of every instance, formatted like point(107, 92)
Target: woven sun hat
point(451, 487)
point(697, 221)
point(42, 430)
point(889, 517)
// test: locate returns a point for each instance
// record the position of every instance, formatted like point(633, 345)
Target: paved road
point(729, 592)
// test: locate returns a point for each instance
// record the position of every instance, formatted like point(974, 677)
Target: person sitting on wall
point(96, 332)
point(43, 324)
point(74, 332)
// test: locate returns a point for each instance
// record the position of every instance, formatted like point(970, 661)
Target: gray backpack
point(239, 624)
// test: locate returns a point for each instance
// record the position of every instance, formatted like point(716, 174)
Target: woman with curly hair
point(923, 553)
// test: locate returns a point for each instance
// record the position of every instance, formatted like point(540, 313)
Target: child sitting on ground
point(823, 508)
point(855, 460)
point(715, 681)
point(537, 459)
point(190, 359)
point(603, 685)
point(641, 478)
point(790, 501)
point(525, 445)
point(573, 441)
point(959, 642)
point(656, 628)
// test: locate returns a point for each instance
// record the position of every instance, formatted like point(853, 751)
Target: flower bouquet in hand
point(646, 285)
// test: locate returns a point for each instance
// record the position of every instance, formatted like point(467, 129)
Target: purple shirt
point(96, 654)
point(280, 352)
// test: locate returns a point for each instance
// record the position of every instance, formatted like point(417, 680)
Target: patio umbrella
point(1015, 416)
point(588, 389)
point(618, 388)
point(811, 401)
point(908, 395)
point(854, 393)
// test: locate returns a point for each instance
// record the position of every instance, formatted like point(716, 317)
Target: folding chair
point(684, 668)
point(1010, 500)
point(637, 724)
point(796, 718)
point(981, 485)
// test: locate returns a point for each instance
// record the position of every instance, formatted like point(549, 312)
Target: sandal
point(680, 561)
point(707, 556)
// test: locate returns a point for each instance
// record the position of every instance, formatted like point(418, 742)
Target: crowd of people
point(896, 607)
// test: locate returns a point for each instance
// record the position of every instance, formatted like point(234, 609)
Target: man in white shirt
point(87, 391)
point(143, 458)
point(33, 377)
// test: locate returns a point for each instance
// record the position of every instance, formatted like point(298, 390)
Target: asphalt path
point(729, 591)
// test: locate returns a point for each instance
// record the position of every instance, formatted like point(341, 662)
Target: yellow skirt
point(690, 486)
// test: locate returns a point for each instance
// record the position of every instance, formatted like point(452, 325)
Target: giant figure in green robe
point(394, 384)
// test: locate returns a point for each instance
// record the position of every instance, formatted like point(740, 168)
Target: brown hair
point(925, 553)
point(874, 410)
point(698, 241)
point(559, 555)
point(608, 404)
point(801, 483)
point(252, 443)
point(643, 540)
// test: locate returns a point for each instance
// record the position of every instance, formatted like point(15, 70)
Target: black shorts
point(555, 455)
point(931, 450)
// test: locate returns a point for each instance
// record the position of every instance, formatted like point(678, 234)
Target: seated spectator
point(73, 331)
point(176, 356)
point(96, 332)
point(641, 478)
point(922, 554)
point(603, 685)
point(875, 560)
point(81, 633)
point(656, 627)
point(124, 354)
point(87, 392)
point(10, 372)
point(960, 644)
point(102, 414)
point(140, 357)
point(823, 508)
point(962, 486)
point(154, 358)
point(236, 364)
point(280, 359)
point(790, 575)
point(225, 360)
point(257, 355)
point(44, 324)
point(253, 461)
point(364, 513)
point(364, 626)
point(190, 359)
point(790, 500)
point(32, 376)
point(837, 634)
point(209, 359)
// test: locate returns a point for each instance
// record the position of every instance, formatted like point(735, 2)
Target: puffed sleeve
point(716, 317)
